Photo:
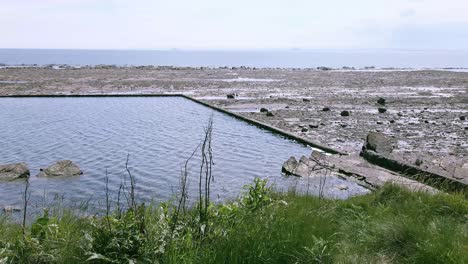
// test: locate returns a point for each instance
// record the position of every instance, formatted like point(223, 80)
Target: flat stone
point(62, 168)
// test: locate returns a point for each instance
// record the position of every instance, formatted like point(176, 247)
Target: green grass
point(391, 225)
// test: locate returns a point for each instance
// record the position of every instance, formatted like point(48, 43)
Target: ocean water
point(380, 58)
point(159, 134)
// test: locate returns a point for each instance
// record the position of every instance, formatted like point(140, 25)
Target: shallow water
point(159, 133)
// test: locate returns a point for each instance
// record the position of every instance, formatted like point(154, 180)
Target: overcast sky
point(234, 24)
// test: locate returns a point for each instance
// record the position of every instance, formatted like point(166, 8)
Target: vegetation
point(391, 225)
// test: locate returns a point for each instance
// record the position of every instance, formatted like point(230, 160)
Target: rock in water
point(14, 171)
point(11, 209)
point(379, 143)
point(62, 168)
point(289, 166)
point(381, 101)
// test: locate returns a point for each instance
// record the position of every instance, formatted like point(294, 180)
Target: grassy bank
point(391, 225)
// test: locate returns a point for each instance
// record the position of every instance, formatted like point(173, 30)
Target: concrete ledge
point(416, 173)
point(245, 119)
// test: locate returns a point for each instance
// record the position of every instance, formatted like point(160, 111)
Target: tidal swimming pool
point(159, 134)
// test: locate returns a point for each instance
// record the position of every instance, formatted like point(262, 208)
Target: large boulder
point(379, 143)
point(62, 168)
point(14, 171)
point(299, 168)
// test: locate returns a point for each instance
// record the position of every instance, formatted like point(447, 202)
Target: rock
point(304, 129)
point(263, 110)
point(325, 109)
point(344, 113)
point(14, 171)
point(462, 118)
point(62, 168)
point(305, 100)
point(382, 110)
point(231, 96)
point(418, 162)
point(269, 114)
point(313, 126)
point(400, 114)
point(342, 187)
point(381, 101)
point(392, 121)
point(299, 168)
point(343, 125)
point(379, 122)
point(379, 143)
point(323, 68)
point(289, 166)
point(11, 209)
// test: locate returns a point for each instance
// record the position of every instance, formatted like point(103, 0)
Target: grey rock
point(379, 143)
point(62, 168)
point(289, 166)
point(299, 168)
point(14, 171)
point(418, 162)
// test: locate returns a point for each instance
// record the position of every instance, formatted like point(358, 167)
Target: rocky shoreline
point(424, 112)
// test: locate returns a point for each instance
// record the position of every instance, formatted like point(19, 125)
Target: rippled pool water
point(159, 133)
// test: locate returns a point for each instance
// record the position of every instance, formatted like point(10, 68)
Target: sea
point(359, 59)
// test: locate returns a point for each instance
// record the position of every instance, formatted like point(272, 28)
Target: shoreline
point(422, 108)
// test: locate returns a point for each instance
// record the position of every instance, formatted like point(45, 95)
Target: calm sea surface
point(293, 58)
point(158, 133)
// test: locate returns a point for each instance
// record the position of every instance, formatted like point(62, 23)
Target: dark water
point(281, 58)
point(158, 133)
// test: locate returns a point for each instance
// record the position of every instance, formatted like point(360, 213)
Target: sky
point(234, 24)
